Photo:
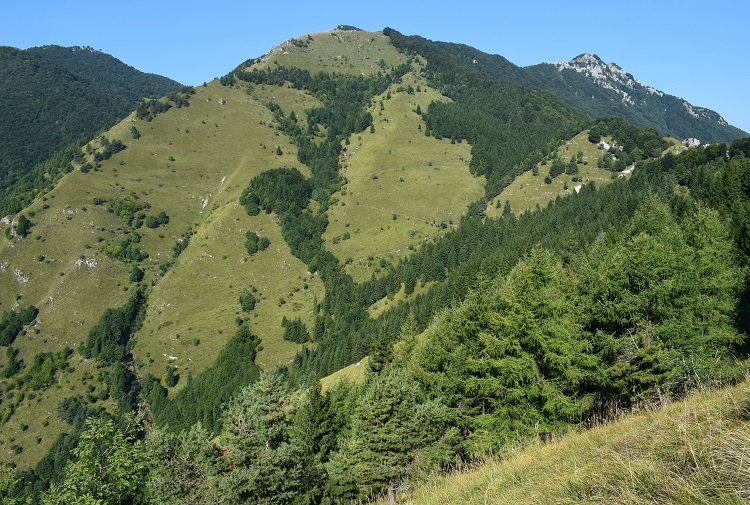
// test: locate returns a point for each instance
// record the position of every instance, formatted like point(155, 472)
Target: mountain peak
point(586, 58)
point(606, 75)
point(603, 73)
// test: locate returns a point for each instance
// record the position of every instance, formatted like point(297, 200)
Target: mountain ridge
point(601, 89)
point(107, 71)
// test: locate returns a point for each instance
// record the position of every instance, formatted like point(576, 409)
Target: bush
point(247, 300)
point(172, 377)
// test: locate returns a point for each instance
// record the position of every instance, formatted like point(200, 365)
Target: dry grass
point(695, 451)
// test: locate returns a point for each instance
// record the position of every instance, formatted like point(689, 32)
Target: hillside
point(600, 89)
point(106, 71)
point(339, 205)
point(687, 452)
point(50, 98)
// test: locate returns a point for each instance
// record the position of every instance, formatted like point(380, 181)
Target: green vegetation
point(108, 339)
point(151, 108)
point(12, 323)
point(42, 121)
point(53, 100)
point(635, 102)
point(46, 364)
point(479, 335)
point(437, 186)
point(295, 330)
point(247, 300)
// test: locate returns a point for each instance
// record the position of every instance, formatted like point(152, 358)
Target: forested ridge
point(666, 113)
point(524, 328)
point(45, 108)
point(107, 71)
point(54, 99)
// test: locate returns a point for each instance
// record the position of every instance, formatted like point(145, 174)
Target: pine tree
point(263, 463)
point(392, 426)
point(381, 352)
point(183, 468)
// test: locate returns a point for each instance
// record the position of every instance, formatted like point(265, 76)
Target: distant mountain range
point(600, 89)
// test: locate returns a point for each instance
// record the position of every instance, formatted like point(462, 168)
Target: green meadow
point(529, 190)
point(400, 185)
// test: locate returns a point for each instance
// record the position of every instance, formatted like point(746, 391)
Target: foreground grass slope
point(691, 451)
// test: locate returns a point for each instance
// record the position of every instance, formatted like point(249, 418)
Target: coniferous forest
point(513, 329)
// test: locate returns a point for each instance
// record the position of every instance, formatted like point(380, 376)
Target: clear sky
point(698, 51)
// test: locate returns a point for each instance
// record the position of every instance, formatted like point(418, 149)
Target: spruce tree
point(263, 463)
point(393, 427)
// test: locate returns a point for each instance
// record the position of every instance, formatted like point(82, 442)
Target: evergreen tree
point(183, 468)
point(263, 463)
point(314, 429)
point(381, 352)
point(393, 427)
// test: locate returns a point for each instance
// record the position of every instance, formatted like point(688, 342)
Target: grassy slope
point(353, 374)
point(693, 451)
point(397, 171)
point(528, 190)
point(199, 189)
point(199, 297)
point(216, 149)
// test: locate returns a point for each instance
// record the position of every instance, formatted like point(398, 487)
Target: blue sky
point(695, 50)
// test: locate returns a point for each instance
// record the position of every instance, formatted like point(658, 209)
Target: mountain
point(52, 96)
point(324, 205)
point(46, 108)
point(601, 89)
point(108, 72)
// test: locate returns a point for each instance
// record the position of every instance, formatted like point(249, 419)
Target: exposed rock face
point(632, 91)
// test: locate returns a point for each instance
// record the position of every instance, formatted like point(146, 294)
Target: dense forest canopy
point(107, 71)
